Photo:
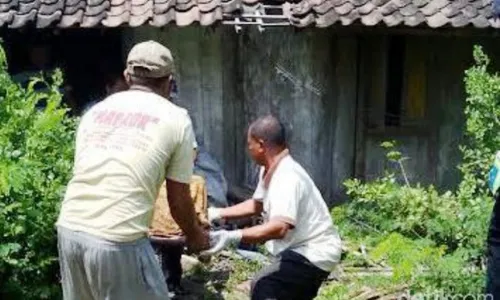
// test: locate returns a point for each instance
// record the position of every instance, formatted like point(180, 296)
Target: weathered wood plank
point(291, 76)
point(376, 81)
point(212, 91)
point(447, 94)
point(185, 45)
point(323, 55)
point(255, 83)
point(361, 103)
point(344, 147)
point(232, 101)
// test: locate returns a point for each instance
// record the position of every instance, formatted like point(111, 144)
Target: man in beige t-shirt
point(126, 146)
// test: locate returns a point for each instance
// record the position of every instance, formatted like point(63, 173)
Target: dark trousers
point(291, 277)
point(170, 258)
point(493, 271)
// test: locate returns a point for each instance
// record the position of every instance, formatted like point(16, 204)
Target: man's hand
point(221, 239)
point(198, 241)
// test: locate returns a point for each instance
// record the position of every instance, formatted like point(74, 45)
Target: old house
point(344, 75)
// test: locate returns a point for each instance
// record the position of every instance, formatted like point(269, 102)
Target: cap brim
point(147, 71)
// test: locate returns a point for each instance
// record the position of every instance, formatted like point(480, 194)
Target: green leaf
point(388, 144)
point(8, 249)
point(36, 157)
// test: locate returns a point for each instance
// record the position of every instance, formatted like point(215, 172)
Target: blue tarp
point(205, 165)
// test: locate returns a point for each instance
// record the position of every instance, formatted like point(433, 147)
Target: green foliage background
point(36, 153)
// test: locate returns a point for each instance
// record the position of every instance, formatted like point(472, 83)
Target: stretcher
point(167, 237)
point(164, 229)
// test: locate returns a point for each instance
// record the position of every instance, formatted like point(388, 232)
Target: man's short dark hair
point(150, 82)
point(153, 83)
point(270, 130)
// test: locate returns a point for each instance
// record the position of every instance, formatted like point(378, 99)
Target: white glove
point(221, 239)
point(214, 215)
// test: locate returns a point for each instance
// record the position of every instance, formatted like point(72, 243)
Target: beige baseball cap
point(150, 59)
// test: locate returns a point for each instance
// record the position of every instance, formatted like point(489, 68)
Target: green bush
point(416, 212)
point(36, 153)
point(482, 126)
point(414, 228)
point(432, 241)
point(408, 258)
point(384, 206)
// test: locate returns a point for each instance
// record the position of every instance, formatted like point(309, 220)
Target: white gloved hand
point(221, 239)
point(214, 215)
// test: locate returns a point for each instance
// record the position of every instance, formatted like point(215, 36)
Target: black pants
point(291, 277)
point(493, 271)
point(171, 266)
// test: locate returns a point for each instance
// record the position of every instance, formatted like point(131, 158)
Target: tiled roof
point(301, 13)
point(433, 13)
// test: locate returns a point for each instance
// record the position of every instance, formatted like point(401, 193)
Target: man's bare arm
point(183, 212)
point(272, 230)
point(247, 208)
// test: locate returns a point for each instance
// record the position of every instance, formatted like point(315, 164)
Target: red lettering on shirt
point(121, 119)
point(108, 120)
point(119, 116)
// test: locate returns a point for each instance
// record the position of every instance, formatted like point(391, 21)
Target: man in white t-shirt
point(126, 145)
point(297, 226)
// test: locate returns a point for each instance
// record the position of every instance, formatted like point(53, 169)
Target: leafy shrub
point(417, 212)
point(410, 227)
point(427, 268)
point(452, 274)
point(36, 153)
point(407, 257)
point(482, 126)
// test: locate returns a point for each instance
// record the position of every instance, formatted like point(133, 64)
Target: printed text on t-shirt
point(120, 119)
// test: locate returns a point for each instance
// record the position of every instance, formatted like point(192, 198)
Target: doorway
point(85, 56)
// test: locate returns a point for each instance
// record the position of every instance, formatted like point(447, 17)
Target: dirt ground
point(226, 276)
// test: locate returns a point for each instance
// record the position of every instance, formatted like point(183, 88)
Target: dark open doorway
point(86, 57)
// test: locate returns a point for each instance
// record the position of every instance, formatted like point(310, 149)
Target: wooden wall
point(318, 82)
point(433, 148)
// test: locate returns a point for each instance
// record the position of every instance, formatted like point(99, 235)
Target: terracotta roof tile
point(389, 8)
point(480, 21)
point(372, 18)
point(324, 7)
point(454, 8)
point(393, 19)
point(19, 20)
point(366, 8)
point(359, 3)
point(380, 3)
point(434, 7)
point(408, 10)
point(414, 20)
point(300, 13)
point(437, 20)
point(345, 8)
point(486, 12)
point(326, 19)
